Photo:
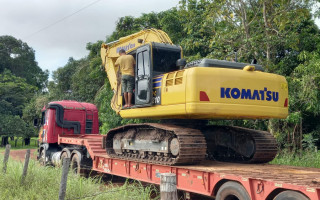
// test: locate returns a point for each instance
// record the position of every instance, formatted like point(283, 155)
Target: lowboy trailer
point(70, 129)
point(210, 178)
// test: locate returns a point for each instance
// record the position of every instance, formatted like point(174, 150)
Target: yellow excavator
point(184, 96)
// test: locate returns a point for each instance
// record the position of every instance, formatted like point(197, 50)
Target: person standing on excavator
point(126, 63)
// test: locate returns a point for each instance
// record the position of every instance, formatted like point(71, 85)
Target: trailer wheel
point(232, 191)
point(291, 195)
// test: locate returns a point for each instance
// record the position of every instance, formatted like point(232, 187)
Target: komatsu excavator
point(184, 96)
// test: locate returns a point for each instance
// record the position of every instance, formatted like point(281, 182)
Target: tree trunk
point(289, 140)
point(301, 133)
point(245, 20)
point(266, 31)
point(4, 141)
point(27, 141)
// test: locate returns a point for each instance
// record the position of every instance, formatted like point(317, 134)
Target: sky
point(34, 22)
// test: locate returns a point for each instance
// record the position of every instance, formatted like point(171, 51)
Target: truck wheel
point(76, 165)
point(290, 195)
point(232, 191)
point(63, 155)
point(42, 158)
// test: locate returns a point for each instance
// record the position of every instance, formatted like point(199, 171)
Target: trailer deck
point(262, 181)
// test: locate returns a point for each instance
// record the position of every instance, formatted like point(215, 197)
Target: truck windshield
point(164, 60)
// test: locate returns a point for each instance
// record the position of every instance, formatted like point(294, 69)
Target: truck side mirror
point(36, 122)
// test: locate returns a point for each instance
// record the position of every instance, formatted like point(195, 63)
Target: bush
point(302, 158)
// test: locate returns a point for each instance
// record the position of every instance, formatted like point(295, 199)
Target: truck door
point(143, 77)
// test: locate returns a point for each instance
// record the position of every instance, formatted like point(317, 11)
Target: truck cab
point(65, 118)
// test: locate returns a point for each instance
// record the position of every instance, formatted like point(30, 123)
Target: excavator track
point(241, 145)
point(175, 145)
point(168, 144)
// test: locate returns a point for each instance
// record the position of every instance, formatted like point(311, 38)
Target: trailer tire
point(290, 195)
point(232, 191)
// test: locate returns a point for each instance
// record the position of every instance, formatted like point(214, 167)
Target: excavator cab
point(152, 61)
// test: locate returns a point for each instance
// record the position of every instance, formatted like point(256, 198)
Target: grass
point(44, 182)
point(301, 159)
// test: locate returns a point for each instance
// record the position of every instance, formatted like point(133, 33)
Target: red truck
point(71, 129)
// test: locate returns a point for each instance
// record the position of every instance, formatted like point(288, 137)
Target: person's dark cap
point(122, 51)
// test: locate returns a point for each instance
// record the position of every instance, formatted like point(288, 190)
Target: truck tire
point(42, 158)
point(63, 155)
point(76, 164)
point(232, 191)
point(290, 195)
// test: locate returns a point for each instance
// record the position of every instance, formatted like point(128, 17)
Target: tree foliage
point(79, 79)
point(14, 95)
point(19, 58)
point(20, 79)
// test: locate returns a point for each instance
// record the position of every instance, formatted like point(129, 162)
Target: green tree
point(14, 95)
point(20, 79)
point(90, 75)
point(171, 23)
point(79, 80)
point(33, 109)
point(60, 87)
point(19, 58)
point(13, 125)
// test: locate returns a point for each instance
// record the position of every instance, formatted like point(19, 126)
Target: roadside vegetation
point(44, 182)
point(302, 158)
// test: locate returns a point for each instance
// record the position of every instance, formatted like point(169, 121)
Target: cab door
point(143, 77)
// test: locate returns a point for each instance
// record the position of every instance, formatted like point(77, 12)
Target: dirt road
point(20, 154)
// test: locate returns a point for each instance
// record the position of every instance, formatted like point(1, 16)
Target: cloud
point(68, 38)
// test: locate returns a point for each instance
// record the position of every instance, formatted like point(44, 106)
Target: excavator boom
point(110, 51)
